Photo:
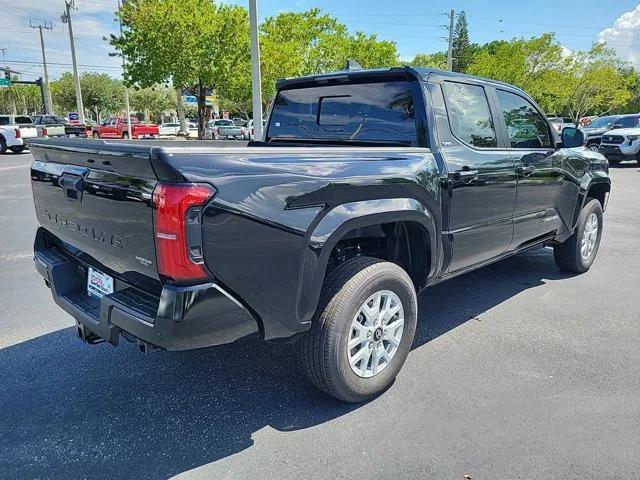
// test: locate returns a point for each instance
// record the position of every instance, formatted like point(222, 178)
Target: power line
point(62, 64)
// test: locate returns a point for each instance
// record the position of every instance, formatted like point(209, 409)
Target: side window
point(628, 122)
point(5, 121)
point(469, 114)
point(526, 127)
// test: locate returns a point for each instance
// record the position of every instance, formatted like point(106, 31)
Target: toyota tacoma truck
point(368, 187)
point(621, 145)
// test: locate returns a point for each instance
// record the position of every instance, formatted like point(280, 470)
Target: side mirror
point(572, 137)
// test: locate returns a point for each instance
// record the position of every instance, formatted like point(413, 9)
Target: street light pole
point(66, 18)
point(256, 88)
point(48, 103)
point(126, 89)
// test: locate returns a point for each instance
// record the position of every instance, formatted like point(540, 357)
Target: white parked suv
point(621, 144)
point(15, 132)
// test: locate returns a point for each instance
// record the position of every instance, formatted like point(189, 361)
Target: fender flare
point(587, 182)
point(337, 222)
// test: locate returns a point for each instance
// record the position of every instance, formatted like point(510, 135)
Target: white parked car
point(559, 123)
point(621, 144)
point(249, 133)
point(15, 132)
point(169, 129)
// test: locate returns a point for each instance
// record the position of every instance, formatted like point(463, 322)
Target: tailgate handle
point(73, 186)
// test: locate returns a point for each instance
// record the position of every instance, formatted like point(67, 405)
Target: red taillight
point(45, 132)
point(177, 229)
point(18, 133)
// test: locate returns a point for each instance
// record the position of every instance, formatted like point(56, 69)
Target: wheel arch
point(364, 216)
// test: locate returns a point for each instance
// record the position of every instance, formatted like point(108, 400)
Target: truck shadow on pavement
point(74, 411)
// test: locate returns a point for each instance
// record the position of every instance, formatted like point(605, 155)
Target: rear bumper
point(181, 318)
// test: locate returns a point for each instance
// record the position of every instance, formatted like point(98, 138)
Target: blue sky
point(416, 26)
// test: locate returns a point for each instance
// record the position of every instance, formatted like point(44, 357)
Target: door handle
point(525, 170)
point(465, 174)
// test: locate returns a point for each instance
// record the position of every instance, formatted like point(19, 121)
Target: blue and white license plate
point(98, 284)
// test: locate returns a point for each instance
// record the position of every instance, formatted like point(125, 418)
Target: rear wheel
point(17, 149)
point(96, 135)
point(594, 147)
point(125, 136)
point(363, 329)
point(579, 251)
point(3, 145)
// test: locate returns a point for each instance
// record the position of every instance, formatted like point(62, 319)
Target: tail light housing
point(18, 133)
point(177, 219)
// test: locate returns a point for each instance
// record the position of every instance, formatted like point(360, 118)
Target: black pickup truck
point(369, 186)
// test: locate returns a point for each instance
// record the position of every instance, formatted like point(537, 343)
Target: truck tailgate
point(99, 200)
point(28, 131)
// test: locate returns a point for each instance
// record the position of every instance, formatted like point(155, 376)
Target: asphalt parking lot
point(517, 372)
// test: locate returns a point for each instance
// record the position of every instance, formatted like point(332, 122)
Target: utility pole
point(66, 18)
point(126, 89)
point(452, 16)
point(47, 88)
point(256, 88)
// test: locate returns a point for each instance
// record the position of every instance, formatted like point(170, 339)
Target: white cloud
point(624, 36)
point(92, 20)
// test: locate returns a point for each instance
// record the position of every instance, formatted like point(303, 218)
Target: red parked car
point(116, 127)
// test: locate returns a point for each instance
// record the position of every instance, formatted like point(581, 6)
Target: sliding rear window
point(369, 112)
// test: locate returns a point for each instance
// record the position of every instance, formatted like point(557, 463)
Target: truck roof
point(407, 71)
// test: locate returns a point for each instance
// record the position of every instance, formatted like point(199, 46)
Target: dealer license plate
point(98, 284)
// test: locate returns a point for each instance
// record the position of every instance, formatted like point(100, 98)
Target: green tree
point(597, 82)
point(536, 65)
point(190, 43)
point(100, 93)
point(20, 99)
point(462, 50)
point(153, 101)
point(431, 60)
point(304, 43)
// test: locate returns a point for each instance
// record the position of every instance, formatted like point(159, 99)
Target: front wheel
point(594, 147)
point(579, 251)
point(363, 330)
point(17, 149)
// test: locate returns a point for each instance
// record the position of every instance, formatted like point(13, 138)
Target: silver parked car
point(226, 129)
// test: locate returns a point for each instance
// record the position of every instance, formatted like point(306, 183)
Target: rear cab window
point(354, 113)
point(22, 120)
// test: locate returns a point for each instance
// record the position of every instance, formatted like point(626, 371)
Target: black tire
point(324, 346)
point(96, 135)
point(3, 145)
point(614, 162)
point(17, 149)
point(594, 147)
point(125, 136)
point(568, 254)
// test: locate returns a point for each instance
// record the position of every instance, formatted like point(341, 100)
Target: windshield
point(602, 122)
